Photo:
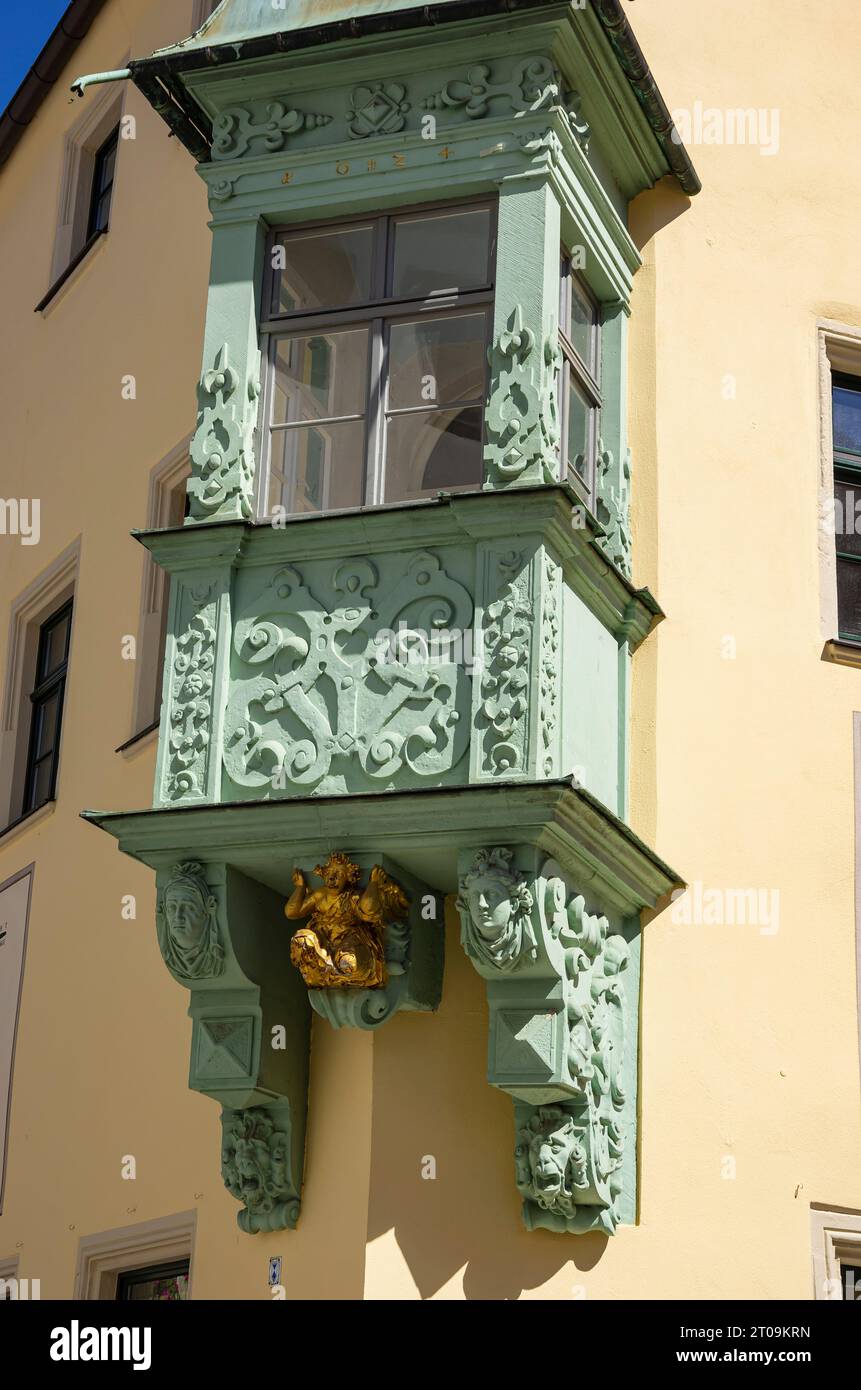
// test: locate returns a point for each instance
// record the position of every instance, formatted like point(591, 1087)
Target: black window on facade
point(167, 1283)
point(846, 414)
point(377, 348)
point(47, 709)
point(103, 184)
point(579, 389)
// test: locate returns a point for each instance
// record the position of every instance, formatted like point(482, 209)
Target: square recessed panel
point(524, 1042)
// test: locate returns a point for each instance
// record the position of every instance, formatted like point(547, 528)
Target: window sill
point(25, 822)
point(72, 273)
point(842, 652)
point(138, 741)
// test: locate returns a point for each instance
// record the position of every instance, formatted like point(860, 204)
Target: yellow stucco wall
point(741, 770)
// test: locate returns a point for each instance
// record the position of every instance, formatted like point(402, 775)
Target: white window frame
point(52, 588)
point(836, 1239)
point(105, 1256)
point(103, 111)
point(838, 350)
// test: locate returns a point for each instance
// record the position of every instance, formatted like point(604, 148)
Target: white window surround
point(166, 485)
point(103, 1257)
point(839, 350)
point(836, 1238)
point(48, 591)
point(102, 111)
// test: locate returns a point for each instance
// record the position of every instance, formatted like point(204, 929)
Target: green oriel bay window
point(411, 420)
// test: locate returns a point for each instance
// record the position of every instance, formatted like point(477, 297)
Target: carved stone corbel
point(560, 1036)
point(221, 936)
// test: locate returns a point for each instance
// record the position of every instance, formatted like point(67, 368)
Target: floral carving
point(379, 108)
point(235, 130)
point(222, 454)
point(549, 675)
point(614, 490)
point(534, 84)
point(191, 700)
point(495, 908)
point(507, 636)
point(522, 420)
point(321, 685)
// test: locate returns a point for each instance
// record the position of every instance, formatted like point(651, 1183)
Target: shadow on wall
point(432, 1102)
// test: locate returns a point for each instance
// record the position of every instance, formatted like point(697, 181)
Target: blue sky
point(27, 25)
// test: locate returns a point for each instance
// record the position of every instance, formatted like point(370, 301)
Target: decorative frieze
point(557, 1035)
point(379, 108)
point(550, 672)
point(533, 85)
point(235, 131)
point(364, 683)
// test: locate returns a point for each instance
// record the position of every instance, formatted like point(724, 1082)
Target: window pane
point(320, 376)
point(577, 440)
point(443, 251)
point(430, 451)
point(847, 419)
point(105, 167)
point(40, 784)
point(849, 598)
point(580, 326)
point(54, 644)
point(851, 1283)
point(318, 468)
point(45, 718)
point(847, 515)
point(325, 269)
point(170, 1288)
point(436, 361)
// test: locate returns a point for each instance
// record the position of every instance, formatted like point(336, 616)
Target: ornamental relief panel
point(381, 106)
point(348, 675)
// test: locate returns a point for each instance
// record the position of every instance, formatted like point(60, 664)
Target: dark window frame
point(47, 686)
point(847, 470)
point(101, 192)
point(377, 314)
point(586, 375)
point(129, 1278)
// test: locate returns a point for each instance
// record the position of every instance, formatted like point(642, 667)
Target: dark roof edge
point(627, 50)
point(633, 63)
point(74, 26)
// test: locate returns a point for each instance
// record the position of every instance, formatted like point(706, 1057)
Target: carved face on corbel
point(495, 906)
point(254, 1158)
point(188, 925)
point(551, 1162)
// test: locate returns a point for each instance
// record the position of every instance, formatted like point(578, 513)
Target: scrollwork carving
point(222, 451)
point(343, 680)
point(522, 419)
point(378, 108)
point(613, 503)
point(533, 85)
point(190, 703)
point(235, 130)
point(506, 641)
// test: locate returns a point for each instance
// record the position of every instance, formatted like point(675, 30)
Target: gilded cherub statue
point(342, 946)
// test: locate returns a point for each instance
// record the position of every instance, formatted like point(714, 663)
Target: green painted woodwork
point(438, 687)
point(404, 648)
point(223, 936)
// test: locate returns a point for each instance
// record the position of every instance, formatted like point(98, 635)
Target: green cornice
point(552, 512)
point(422, 830)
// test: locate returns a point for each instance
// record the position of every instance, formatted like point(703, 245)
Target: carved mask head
point(495, 904)
point(185, 909)
point(550, 1159)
